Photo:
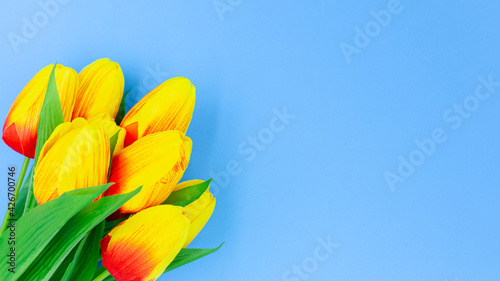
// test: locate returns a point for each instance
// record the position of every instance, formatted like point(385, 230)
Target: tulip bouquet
point(103, 199)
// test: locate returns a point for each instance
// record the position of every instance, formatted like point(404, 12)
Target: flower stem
point(102, 276)
point(19, 183)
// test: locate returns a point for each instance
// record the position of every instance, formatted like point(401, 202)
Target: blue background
point(323, 175)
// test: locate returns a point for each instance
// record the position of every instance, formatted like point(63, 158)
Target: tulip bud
point(198, 212)
point(101, 89)
point(20, 130)
point(142, 247)
point(107, 123)
point(168, 107)
point(75, 156)
point(156, 162)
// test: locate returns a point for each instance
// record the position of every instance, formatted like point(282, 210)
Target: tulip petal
point(142, 247)
point(156, 162)
point(75, 156)
point(13, 140)
point(101, 89)
point(107, 123)
point(168, 107)
point(20, 129)
point(200, 217)
point(198, 212)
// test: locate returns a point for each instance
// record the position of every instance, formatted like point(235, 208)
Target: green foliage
point(87, 256)
point(51, 116)
point(23, 194)
point(189, 255)
point(71, 234)
point(121, 110)
point(36, 229)
point(187, 195)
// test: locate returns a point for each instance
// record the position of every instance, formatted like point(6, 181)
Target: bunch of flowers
point(103, 199)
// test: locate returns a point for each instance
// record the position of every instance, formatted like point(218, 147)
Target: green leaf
point(87, 256)
point(23, 195)
point(98, 272)
point(73, 256)
point(187, 195)
point(112, 145)
point(35, 230)
point(61, 271)
point(71, 234)
point(121, 110)
point(101, 270)
point(189, 255)
point(30, 197)
point(51, 116)
point(20, 203)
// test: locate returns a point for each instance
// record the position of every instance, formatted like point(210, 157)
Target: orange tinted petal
point(168, 107)
point(142, 247)
point(20, 129)
point(156, 162)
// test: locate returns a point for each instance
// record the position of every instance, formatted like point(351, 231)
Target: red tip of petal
point(132, 133)
point(12, 139)
point(104, 243)
point(126, 263)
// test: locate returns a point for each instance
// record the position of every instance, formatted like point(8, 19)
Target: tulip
point(142, 247)
point(107, 123)
point(156, 162)
point(75, 156)
point(198, 212)
point(168, 107)
point(20, 130)
point(101, 89)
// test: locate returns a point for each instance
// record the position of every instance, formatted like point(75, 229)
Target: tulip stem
point(102, 276)
point(13, 199)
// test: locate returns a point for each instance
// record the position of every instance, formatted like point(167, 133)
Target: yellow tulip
point(198, 212)
point(168, 107)
point(155, 162)
point(20, 130)
point(75, 156)
point(101, 89)
point(142, 247)
point(107, 123)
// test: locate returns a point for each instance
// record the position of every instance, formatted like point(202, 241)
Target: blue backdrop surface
point(348, 140)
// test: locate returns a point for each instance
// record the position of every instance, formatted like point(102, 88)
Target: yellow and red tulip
point(198, 212)
point(151, 152)
point(75, 156)
point(168, 107)
point(20, 129)
point(142, 247)
point(101, 89)
point(107, 123)
point(156, 162)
